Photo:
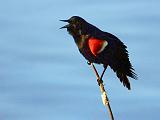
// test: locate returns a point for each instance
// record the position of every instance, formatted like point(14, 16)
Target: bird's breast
point(81, 41)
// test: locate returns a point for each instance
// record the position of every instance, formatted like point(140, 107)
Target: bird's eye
point(74, 25)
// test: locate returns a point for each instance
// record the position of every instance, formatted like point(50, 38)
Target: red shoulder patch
point(96, 45)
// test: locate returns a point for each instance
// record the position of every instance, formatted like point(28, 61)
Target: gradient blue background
point(43, 76)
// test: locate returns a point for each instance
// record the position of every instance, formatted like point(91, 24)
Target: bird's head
point(75, 25)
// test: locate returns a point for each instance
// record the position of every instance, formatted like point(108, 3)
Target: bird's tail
point(121, 65)
point(123, 78)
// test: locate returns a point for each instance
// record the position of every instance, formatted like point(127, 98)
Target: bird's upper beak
point(66, 26)
point(64, 20)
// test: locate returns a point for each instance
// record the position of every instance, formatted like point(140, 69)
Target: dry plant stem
point(104, 94)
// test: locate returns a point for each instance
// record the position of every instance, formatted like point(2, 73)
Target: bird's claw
point(89, 63)
point(100, 81)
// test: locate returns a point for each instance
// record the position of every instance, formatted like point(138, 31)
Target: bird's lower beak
point(66, 26)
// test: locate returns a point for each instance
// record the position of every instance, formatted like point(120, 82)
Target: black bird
point(101, 47)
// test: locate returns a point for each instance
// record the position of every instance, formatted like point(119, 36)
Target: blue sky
point(43, 76)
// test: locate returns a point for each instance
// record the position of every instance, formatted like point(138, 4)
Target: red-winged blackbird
point(101, 47)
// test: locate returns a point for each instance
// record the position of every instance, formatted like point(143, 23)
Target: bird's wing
point(96, 46)
point(119, 60)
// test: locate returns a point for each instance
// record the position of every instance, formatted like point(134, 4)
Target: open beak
point(66, 26)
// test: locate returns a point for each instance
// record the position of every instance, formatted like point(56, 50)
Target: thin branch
point(104, 94)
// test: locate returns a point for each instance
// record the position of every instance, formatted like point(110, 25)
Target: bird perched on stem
point(101, 47)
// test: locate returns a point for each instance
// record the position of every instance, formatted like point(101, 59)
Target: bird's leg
point(103, 73)
point(98, 79)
